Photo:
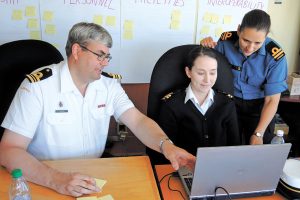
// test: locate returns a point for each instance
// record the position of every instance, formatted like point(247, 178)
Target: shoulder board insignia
point(275, 51)
point(39, 75)
point(225, 93)
point(232, 36)
point(111, 75)
point(167, 96)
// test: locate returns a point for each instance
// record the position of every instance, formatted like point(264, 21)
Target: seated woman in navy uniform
point(199, 116)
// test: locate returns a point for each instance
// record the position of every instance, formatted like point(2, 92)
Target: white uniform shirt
point(207, 102)
point(60, 121)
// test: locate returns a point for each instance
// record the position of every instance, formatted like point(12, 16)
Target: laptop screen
point(243, 171)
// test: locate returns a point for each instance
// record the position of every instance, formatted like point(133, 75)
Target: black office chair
point(169, 75)
point(17, 59)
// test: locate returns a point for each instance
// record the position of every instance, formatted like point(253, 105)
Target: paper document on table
point(87, 198)
point(106, 197)
point(100, 183)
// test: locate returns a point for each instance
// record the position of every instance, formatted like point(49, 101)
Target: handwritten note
point(32, 23)
point(30, 11)
point(50, 29)
point(35, 35)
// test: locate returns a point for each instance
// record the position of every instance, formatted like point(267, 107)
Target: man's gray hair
point(82, 33)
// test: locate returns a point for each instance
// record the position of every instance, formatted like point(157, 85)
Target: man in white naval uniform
point(62, 111)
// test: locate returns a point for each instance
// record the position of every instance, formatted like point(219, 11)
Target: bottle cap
point(280, 133)
point(16, 173)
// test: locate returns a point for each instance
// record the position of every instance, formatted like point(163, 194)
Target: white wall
point(285, 29)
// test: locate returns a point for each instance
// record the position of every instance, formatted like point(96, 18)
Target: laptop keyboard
point(188, 182)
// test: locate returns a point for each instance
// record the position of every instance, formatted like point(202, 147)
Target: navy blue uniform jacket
point(188, 128)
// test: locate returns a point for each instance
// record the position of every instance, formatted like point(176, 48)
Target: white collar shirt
point(60, 122)
point(207, 102)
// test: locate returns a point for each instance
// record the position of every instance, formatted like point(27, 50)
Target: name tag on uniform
point(61, 111)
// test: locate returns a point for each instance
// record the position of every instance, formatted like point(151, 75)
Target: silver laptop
point(243, 171)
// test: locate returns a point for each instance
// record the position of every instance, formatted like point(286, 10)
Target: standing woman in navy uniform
point(259, 68)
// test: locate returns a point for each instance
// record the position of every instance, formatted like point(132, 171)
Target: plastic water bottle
point(19, 189)
point(278, 139)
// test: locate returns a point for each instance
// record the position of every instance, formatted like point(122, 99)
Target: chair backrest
point(17, 59)
point(169, 75)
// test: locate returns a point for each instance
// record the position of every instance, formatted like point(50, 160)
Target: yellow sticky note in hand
point(100, 183)
point(87, 198)
point(106, 197)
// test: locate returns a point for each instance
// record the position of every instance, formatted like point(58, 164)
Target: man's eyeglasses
point(101, 56)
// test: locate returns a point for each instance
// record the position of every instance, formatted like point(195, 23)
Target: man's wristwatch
point(258, 134)
point(162, 141)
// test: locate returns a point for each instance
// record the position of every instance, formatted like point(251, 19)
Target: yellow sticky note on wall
point(106, 197)
point(30, 11)
point(17, 15)
point(227, 19)
point(98, 19)
point(50, 29)
point(214, 19)
point(128, 35)
point(128, 25)
point(175, 25)
point(48, 16)
point(110, 21)
point(176, 15)
point(32, 23)
point(204, 30)
point(36, 35)
point(207, 17)
point(218, 31)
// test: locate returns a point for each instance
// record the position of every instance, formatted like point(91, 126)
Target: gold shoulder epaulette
point(226, 94)
point(111, 75)
point(275, 51)
point(39, 75)
point(232, 35)
point(167, 96)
